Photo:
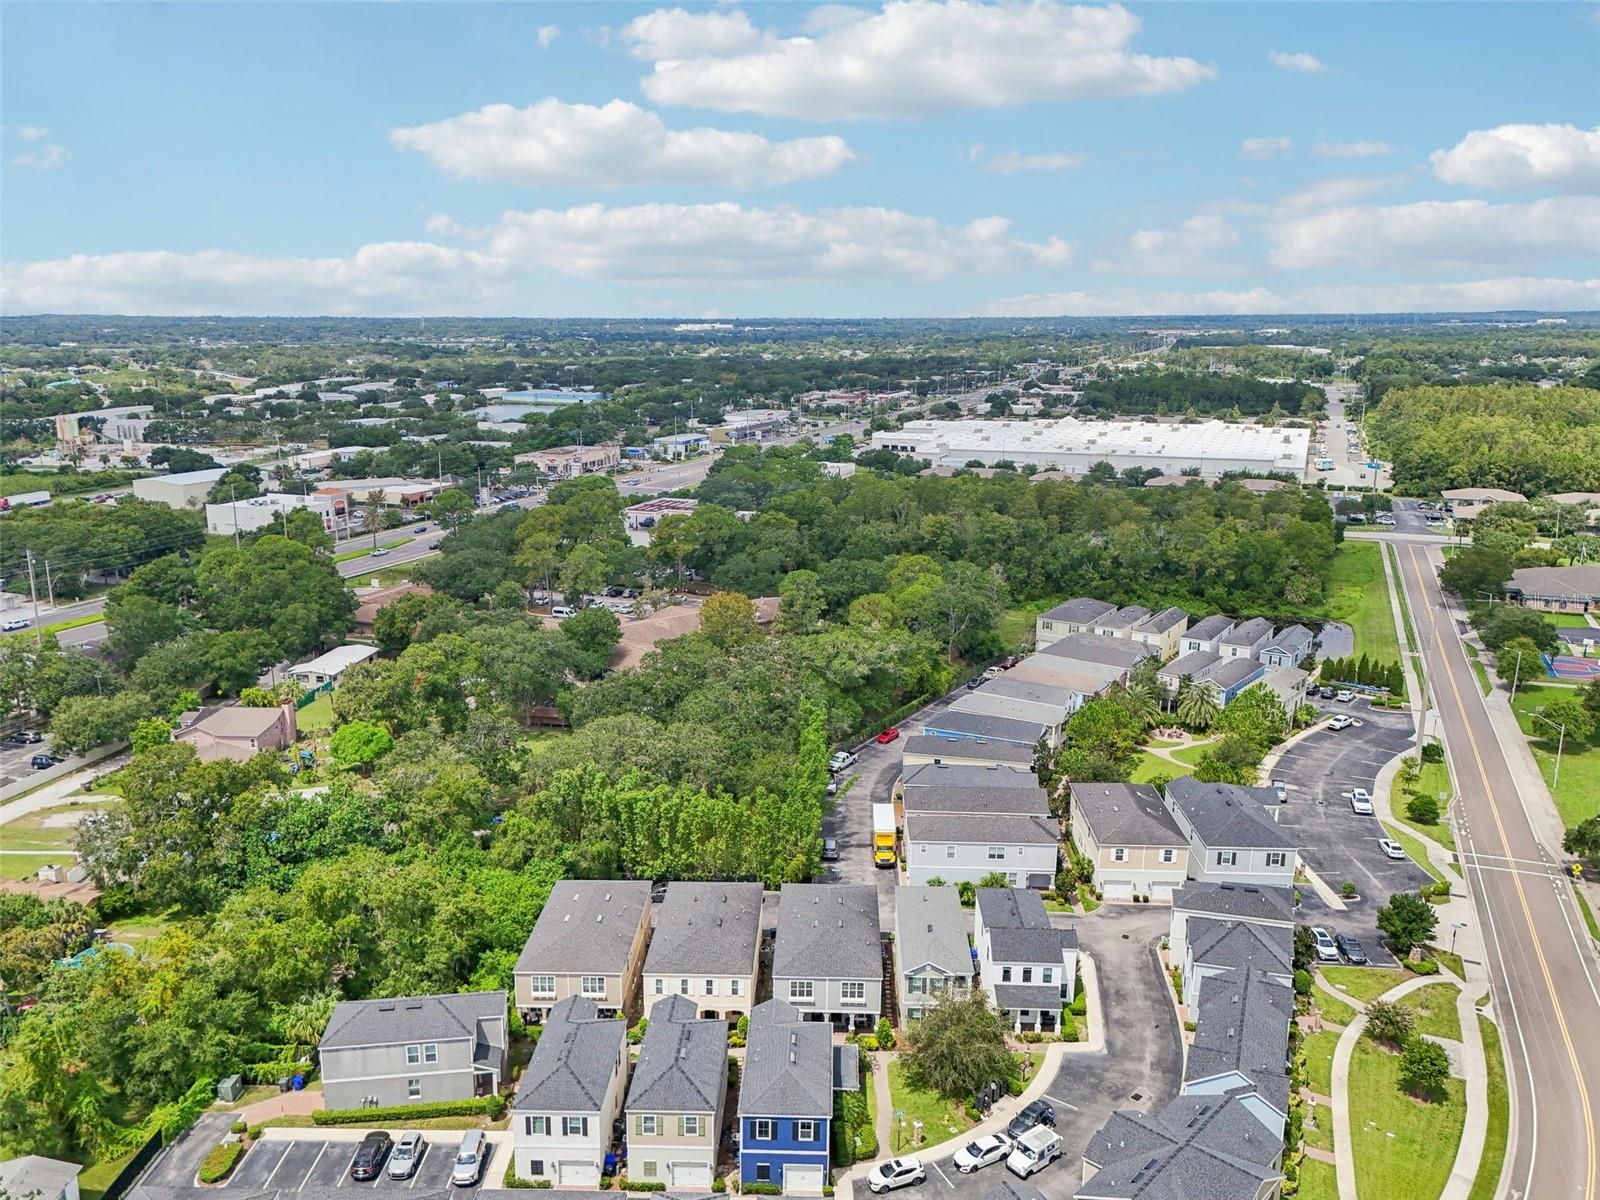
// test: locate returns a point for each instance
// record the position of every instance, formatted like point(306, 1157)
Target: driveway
point(1140, 1067)
point(1338, 845)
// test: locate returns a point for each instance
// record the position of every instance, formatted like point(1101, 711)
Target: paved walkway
point(284, 1104)
point(1474, 1069)
point(60, 789)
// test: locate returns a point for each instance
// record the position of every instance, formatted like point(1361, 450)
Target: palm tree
point(303, 1021)
point(1197, 706)
point(1139, 698)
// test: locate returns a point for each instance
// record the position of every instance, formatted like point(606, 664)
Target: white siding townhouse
point(570, 1096)
point(829, 958)
point(1233, 837)
point(1243, 903)
point(962, 823)
point(1028, 967)
point(706, 946)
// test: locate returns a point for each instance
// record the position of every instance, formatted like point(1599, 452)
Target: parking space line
point(1063, 1103)
point(943, 1176)
point(321, 1150)
point(287, 1149)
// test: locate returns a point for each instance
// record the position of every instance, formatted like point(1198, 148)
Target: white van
point(468, 1167)
point(562, 611)
point(1036, 1149)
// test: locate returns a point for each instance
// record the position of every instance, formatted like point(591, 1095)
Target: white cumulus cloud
point(1523, 156)
point(1298, 62)
point(1190, 248)
point(548, 34)
point(1264, 147)
point(1013, 162)
point(908, 59)
point(1351, 149)
point(613, 145)
point(1341, 189)
point(1440, 234)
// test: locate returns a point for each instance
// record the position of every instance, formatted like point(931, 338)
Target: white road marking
point(1063, 1103)
point(321, 1150)
point(943, 1176)
point(288, 1146)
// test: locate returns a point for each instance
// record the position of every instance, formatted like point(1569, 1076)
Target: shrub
point(1424, 966)
point(1080, 1000)
point(255, 1131)
point(761, 1187)
point(1069, 1026)
point(733, 1071)
point(1302, 983)
point(516, 1181)
point(868, 1042)
point(1423, 809)
point(742, 1025)
point(636, 1034)
point(1388, 1023)
point(1432, 752)
point(644, 1185)
point(239, 1127)
point(222, 1159)
point(968, 892)
point(1015, 1086)
point(1347, 889)
point(885, 1034)
point(719, 1185)
point(493, 1107)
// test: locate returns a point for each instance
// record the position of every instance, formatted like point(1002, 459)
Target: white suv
point(896, 1173)
point(1360, 802)
point(1327, 948)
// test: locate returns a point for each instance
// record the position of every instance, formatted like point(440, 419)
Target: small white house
point(1028, 967)
point(327, 668)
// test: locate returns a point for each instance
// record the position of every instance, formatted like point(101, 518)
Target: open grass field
point(1577, 794)
point(1017, 626)
point(1404, 1148)
point(41, 838)
point(1148, 767)
point(1434, 1009)
point(1359, 596)
point(1319, 1127)
point(1434, 781)
point(1332, 1008)
point(1412, 844)
point(318, 715)
point(1364, 983)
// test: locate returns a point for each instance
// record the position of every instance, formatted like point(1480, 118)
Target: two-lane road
point(1546, 982)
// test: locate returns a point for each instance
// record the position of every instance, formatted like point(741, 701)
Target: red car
point(888, 735)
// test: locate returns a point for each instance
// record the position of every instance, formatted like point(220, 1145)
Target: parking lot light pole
point(1561, 740)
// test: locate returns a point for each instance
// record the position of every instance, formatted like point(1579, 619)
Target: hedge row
point(517, 1181)
point(222, 1159)
point(643, 1185)
point(493, 1107)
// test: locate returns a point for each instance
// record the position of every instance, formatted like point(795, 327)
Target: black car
point(43, 762)
point(371, 1155)
point(1350, 950)
point(1326, 693)
point(1037, 1113)
point(830, 849)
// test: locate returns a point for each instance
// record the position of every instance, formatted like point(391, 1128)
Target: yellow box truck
point(883, 854)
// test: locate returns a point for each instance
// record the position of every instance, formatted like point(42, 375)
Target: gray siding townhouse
point(951, 775)
point(1090, 654)
point(706, 946)
point(829, 959)
point(1226, 677)
point(792, 1071)
point(931, 956)
point(570, 1096)
point(1241, 1041)
point(1028, 967)
point(589, 941)
point(1021, 700)
point(1073, 616)
point(1163, 630)
point(1241, 903)
point(1245, 640)
point(675, 1101)
point(923, 749)
point(414, 1049)
point(1233, 837)
point(1120, 622)
point(1288, 647)
point(1213, 946)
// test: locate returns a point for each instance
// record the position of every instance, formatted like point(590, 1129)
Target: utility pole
point(33, 592)
point(233, 505)
point(49, 584)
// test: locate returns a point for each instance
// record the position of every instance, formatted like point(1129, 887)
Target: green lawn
point(75, 623)
point(363, 553)
point(1318, 1181)
point(97, 1176)
point(1578, 794)
point(1404, 1148)
point(318, 715)
point(1434, 1009)
point(1434, 781)
point(21, 866)
point(1151, 766)
point(1413, 847)
point(941, 1119)
point(1478, 669)
point(144, 926)
point(1364, 983)
point(1332, 1008)
point(1017, 626)
point(1319, 1127)
point(1494, 1146)
point(48, 829)
point(1359, 596)
point(1319, 1061)
point(1588, 913)
point(1191, 754)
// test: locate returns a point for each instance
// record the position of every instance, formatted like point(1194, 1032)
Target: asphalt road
point(314, 1163)
point(1544, 975)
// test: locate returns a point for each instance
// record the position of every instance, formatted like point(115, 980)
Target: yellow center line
point(1522, 897)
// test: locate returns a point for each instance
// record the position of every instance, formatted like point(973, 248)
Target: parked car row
point(1029, 1144)
point(380, 1153)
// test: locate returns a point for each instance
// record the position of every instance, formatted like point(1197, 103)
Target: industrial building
point(184, 489)
point(1073, 446)
point(247, 516)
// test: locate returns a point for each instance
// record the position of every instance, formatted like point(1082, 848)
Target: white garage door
point(1117, 891)
point(1161, 893)
point(691, 1175)
point(577, 1174)
point(802, 1179)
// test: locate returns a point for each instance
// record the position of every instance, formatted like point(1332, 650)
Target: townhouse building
point(589, 941)
point(828, 963)
point(1028, 967)
point(706, 947)
point(414, 1049)
point(570, 1096)
point(675, 1101)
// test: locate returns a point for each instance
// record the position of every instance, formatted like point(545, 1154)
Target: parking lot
point(14, 761)
point(1337, 844)
point(312, 1163)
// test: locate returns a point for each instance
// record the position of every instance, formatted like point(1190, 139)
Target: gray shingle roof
point(828, 931)
point(981, 748)
point(1007, 800)
point(846, 1068)
point(1019, 928)
point(1293, 639)
point(963, 776)
point(1126, 814)
point(1013, 996)
point(1028, 691)
point(1123, 618)
point(979, 725)
point(1230, 672)
point(1210, 628)
point(683, 1061)
point(1242, 1024)
point(930, 929)
point(1240, 944)
point(995, 829)
point(1226, 815)
point(1079, 611)
point(1246, 902)
point(706, 929)
point(572, 1065)
point(1012, 1189)
point(587, 925)
point(1097, 648)
point(788, 1064)
point(1194, 1147)
point(1248, 632)
point(410, 1019)
point(1162, 621)
point(34, 1174)
point(1194, 664)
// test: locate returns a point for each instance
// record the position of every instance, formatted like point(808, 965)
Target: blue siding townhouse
point(791, 1071)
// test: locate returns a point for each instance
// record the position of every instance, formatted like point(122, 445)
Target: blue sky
point(923, 157)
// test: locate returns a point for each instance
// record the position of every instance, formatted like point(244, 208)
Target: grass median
point(1404, 1147)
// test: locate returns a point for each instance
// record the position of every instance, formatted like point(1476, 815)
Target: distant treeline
point(1172, 392)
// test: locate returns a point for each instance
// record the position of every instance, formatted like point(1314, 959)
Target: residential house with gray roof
point(589, 941)
point(963, 847)
point(675, 1102)
point(414, 1049)
point(957, 776)
point(981, 725)
point(924, 749)
point(706, 946)
point(828, 962)
point(1028, 967)
point(1245, 903)
point(1214, 946)
point(1190, 1147)
point(1226, 677)
point(1133, 841)
point(1246, 639)
point(1074, 616)
point(35, 1177)
point(932, 959)
point(1120, 622)
point(1288, 646)
point(1233, 836)
point(1204, 634)
point(1023, 700)
point(1163, 630)
point(1241, 1042)
point(792, 1071)
point(570, 1096)
point(1005, 801)
point(1088, 653)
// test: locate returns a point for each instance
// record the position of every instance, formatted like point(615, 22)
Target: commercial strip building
point(569, 462)
point(1556, 589)
point(1465, 503)
point(748, 425)
point(258, 512)
point(1073, 446)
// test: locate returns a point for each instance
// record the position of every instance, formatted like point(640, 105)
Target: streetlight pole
point(1561, 741)
point(1516, 675)
point(1455, 928)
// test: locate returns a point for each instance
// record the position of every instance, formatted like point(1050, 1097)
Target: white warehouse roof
point(1072, 445)
point(336, 661)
